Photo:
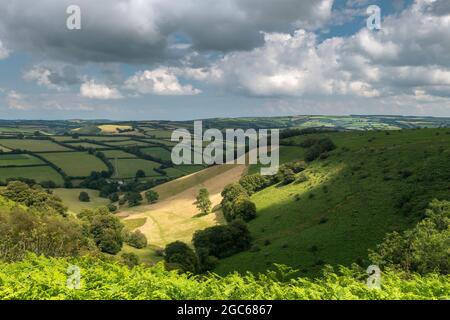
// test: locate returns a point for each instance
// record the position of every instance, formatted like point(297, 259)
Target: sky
point(192, 59)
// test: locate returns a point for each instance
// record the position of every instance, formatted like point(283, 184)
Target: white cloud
point(18, 101)
point(4, 52)
point(93, 90)
point(161, 81)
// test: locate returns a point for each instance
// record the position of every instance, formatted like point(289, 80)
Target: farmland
point(158, 152)
point(111, 154)
point(32, 145)
point(75, 164)
point(39, 174)
point(19, 160)
point(127, 168)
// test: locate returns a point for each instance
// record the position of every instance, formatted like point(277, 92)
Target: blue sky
point(156, 59)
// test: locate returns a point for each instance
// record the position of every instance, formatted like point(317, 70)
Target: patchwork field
point(126, 143)
point(112, 154)
point(158, 152)
point(76, 164)
point(19, 160)
point(127, 168)
point(39, 174)
point(87, 145)
point(32, 145)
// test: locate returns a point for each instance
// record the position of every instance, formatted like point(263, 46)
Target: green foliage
point(34, 197)
point(136, 239)
point(202, 201)
point(130, 259)
point(254, 183)
point(49, 234)
point(84, 197)
point(43, 278)
point(152, 196)
point(422, 249)
point(179, 255)
point(134, 199)
point(223, 241)
point(106, 231)
point(236, 203)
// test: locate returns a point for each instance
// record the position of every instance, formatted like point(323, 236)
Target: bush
point(130, 259)
point(106, 230)
point(223, 241)
point(137, 240)
point(179, 255)
point(134, 199)
point(151, 196)
point(242, 208)
point(84, 197)
point(254, 183)
point(422, 249)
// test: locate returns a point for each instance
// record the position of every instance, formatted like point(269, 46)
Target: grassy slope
point(359, 205)
point(70, 199)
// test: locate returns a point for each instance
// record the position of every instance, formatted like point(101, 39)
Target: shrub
point(84, 197)
point(137, 239)
point(422, 249)
point(223, 241)
point(130, 259)
point(151, 196)
point(106, 230)
point(179, 255)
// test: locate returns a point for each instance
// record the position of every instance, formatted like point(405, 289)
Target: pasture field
point(4, 149)
point(113, 128)
point(70, 199)
point(19, 160)
point(175, 187)
point(158, 152)
point(76, 164)
point(39, 174)
point(86, 145)
point(287, 154)
point(126, 143)
point(159, 134)
point(372, 184)
point(127, 168)
point(162, 141)
point(32, 145)
point(174, 172)
point(104, 138)
point(112, 154)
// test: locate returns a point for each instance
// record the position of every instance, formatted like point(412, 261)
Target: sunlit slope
point(373, 183)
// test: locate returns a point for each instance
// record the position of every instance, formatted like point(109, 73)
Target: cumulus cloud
point(390, 62)
point(138, 31)
point(17, 101)
point(4, 52)
point(161, 81)
point(54, 76)
point(93, 90)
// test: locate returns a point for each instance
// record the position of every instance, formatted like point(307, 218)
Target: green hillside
point(371, 184)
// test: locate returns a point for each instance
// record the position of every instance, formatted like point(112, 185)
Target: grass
point(350, 201)
point(146, 255)
point(86, 145)
point(174, 172)
point(39, 174)
point(76, 164)
point(113, 128)
point(127, 143)
point(127, 168)
point(161, 141)
point(172, 188)
point(159, 134)
point(112, 154)
point(19, 160)
point(70, 199)
point(158, 152)
point(286, 153)
point(32, 145)
point(132, 224)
